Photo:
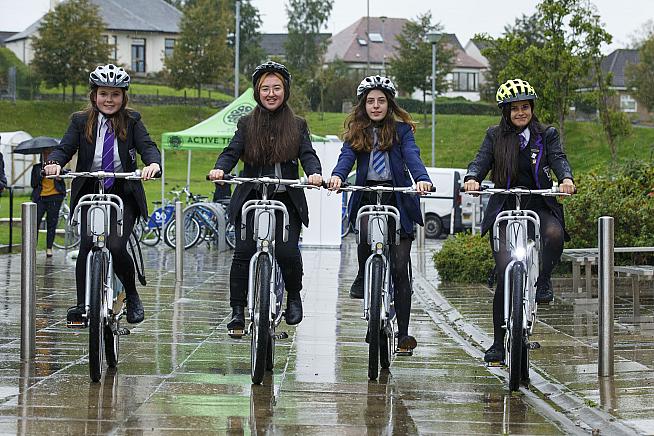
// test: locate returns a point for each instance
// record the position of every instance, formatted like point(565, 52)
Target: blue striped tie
point(378, 161)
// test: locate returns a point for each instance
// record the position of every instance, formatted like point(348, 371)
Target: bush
point(27, 83)
point(456, 106)
point(627, 195)
point(466, 258)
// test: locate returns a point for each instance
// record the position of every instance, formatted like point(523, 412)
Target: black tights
point(551, 233)
point(117, 245)
point(287, 253)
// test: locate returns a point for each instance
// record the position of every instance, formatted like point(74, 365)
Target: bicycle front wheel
point(191, 232)
point(516, 332)
point(96, 317)
point(260, 336)
point(66, 235)
point(374, 316)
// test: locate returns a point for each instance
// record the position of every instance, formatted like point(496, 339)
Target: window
point(362, 41)
point(112, 42)
point(627, 103)
point(138, 55)
point(375, 37)
point(169, 46)
point(465, 82)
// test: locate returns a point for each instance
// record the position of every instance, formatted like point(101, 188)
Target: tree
point(640, 76)
point(69, 44)
point(251, 53)
point(304, 48)
point(201, 55)
point(411, 65)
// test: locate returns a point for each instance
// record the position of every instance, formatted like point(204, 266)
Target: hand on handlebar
point(315, 179)
point(216, 174)
point(52, 170)
point(423, 187)
point(334, 183)
point(471, 185)
point(150, 171)
point(567, 186)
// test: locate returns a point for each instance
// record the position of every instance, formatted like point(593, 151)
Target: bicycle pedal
point(403, 352)
point(76, 324)
point(495, 364)
point(122, 331)
point(236, 333)
point(281, 335)
point(533, 345)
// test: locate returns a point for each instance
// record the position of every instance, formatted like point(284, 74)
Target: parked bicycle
point(378, 306)
point(104, 301)
point(523, 242)
point(265, 284)
point(67, 235)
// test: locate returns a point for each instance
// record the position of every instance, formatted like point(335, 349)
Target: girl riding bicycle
point(521, 152)
point(107, 135)
point(271, 141)
point(379, 138)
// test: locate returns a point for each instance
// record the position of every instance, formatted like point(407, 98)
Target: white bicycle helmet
point(110, 76)
point(376, 82)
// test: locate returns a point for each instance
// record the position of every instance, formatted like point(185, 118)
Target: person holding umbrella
point(48, 194)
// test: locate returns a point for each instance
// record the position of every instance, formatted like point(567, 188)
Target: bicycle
point(206, 214)
point(265, 283)
point(150, 230)
point(522, 271)
point(66, 235)
point(378, 305)
point(104, 298)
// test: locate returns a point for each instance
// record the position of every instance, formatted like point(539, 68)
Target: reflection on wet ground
point(180, 372)
point(568, 331)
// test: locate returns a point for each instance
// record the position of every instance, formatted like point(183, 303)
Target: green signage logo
point(233, 116)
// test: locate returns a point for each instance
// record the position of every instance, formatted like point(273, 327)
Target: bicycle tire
point(516, 331)
point(385, 349)
point(66, 235)
point(260, 335)
point(374, 316)
point(230, 235)
point(270, 353)
point(111, 346)
point(150, 236)
point(96, 321)
point(191, 232)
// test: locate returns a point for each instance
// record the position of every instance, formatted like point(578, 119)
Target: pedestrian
point(108, 128)
point(521, 152)
point(48, 194)
point(379, 138)
point(271, 141)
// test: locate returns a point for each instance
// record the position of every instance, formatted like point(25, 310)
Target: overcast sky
point(462, 17)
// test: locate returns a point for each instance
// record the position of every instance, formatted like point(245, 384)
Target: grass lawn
point(458, 138)
point(147, 89)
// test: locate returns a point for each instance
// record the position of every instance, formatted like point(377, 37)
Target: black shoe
point(494, 354)
point(544, 293)
point(75, 315)
point(356, 291)
point(135, 312)
point(238, 319)
point(407, 342)
point(293, 312)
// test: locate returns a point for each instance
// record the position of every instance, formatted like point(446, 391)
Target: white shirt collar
point(526, 134)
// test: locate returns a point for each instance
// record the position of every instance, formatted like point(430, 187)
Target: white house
point(142, 33)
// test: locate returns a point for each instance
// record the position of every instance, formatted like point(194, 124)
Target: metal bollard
point(606, 283)
point(420, 230)
point(28, 282)
point(179, 241)
point(474, 219)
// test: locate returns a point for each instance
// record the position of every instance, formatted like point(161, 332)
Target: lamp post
point(433, 38)
point(237, 43)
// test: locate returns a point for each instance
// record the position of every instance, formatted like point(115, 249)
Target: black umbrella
point(36, 145)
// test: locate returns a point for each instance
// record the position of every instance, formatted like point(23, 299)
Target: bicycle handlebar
point(135, 175)
point(293, 183)
point(550, 192)
point(380, 188)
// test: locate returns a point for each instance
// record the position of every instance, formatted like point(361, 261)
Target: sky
point(622, 18)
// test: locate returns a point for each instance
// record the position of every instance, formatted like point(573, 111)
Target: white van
point(452, 211)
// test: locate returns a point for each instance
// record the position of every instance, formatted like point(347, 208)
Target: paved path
point(180, 373)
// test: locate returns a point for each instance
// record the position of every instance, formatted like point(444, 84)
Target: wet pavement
point(180, 373)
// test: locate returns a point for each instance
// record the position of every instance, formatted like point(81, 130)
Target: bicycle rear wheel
point(96, 318)
point(191, 232)
point(374, 316)
point(260, 336)
point(516, 332)
point(66, 235)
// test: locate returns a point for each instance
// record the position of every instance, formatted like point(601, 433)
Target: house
point(473, 49)
point(369, 44)
point(274, 44)
point(4, 36)
point(615, 64)
point(142, 33)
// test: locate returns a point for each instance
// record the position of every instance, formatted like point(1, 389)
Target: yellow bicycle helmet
point(514, 90)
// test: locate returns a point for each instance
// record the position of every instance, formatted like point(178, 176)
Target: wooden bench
point(637, 273)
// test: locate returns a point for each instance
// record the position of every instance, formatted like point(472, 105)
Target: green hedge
point(466, 258)
point(457, 106)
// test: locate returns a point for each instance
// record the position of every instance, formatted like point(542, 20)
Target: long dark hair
point(507, 146)
point(119, 120)
point(271, 137)
point(358, 131)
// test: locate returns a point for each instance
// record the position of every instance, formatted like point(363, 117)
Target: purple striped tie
point(108, 155)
